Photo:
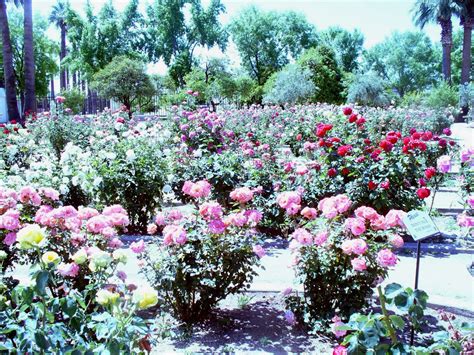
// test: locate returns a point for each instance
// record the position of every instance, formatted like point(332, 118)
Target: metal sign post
point(420, 226)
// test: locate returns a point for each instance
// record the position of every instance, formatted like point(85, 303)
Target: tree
point(171, 38)
point(213, 81)
point(29, 57)
point(440, 11)
point(291, 85)
point(467, 21)
point(124, 80)
point(266, 41)
point(406, 61)
point(9, 74)
point(368, 89)
point(58, 17)
point(347, 46)
point(45, 52)
point(457, 57)
point(325, 73)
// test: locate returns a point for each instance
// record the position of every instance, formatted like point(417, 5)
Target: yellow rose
point(145, 297)
point(50, 257)
point(105, 297)
point(30, 236)
point(120, 256)
point(79, 257)
point(99, 260)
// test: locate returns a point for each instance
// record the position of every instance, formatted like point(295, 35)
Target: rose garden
point(274, 223)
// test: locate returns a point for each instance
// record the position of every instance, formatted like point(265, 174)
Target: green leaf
point(397, 321)
point(41, 340)
point(392, 290)
point(42, 281)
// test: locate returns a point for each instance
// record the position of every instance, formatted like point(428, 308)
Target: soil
point(254, 323)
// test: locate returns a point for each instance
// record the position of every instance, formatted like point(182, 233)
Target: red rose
point(332, 172)
point(345, 171)
point(385, 185)
point(442, 142)
point(372, 185)
point(13, 121)
point(422, 182)
point(360, 121)
point(426, 136)
point(386, 145)
point(447, 131)
point(416, 135)
point(423, 192)
point(347, 111)
point(430, 172)
point(343, 150)
point(352, 118)
point(6, 131)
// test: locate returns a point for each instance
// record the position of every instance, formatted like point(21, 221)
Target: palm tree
point(30, 97)
point(466, 15)
point(440, 11)
point(58, 16)
point(9, 73)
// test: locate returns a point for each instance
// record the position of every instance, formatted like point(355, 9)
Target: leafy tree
point(325, 73)
point(7, 61)
point(347, 46)
point(124, 80)
point(457, 57)
point(266, 41)
point(98, 38)
point(174, 39)
point(291, 85)
point(247, 90)
point(368, 89)
point(441, 12)
point(213, 81)
point(407, 61)
point(45, 53)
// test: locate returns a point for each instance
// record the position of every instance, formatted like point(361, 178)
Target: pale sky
point(375, 18)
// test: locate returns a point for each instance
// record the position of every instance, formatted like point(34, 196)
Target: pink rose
point(302, 236)
point(340, 350)
point(309, 213)
point(197, 190)
point(378, 223)
point(386, 258)
point(356, 226)
point(217, 226)
point(470, 201)
point(259, 251)
point(97, 224)
point(160, 219)
point(115, 243)
point(359, 246)
point(210, 211)
point(288, 198)
point(366, 212)
point(68, 270)
point(394, 218)
point(254, 216)
point(110, 210)
point(138, 247)
point(321, 238)
point(85, 213)
point(151, 229)
point(10, 239)
point(465, 221)
point(396, 241)
point(241, 195)
point(358, 264)
point(346, 247)
point(444, 163)
point(337, 323)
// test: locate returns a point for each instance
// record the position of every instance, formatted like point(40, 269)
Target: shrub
point(70, 305)
point(125, 80)
point(442, 96)
point(74, 100)
point(384, 332)
point(291, 85)
point(205, 256)
point(338, 258)
point(325, 73)
point(368, 89)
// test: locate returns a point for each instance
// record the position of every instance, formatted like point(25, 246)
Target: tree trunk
point(447, 43)
point(466, 58)
point(62, 54)
point(9, 74)
point(30, 97)
point(52, 88)
point(74, 79)
point(466, 50)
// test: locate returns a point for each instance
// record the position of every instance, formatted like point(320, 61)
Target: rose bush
point(76, 300)
point(339, 257)
point(204, 256)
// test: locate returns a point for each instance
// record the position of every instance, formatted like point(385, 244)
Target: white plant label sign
point(420, 225)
